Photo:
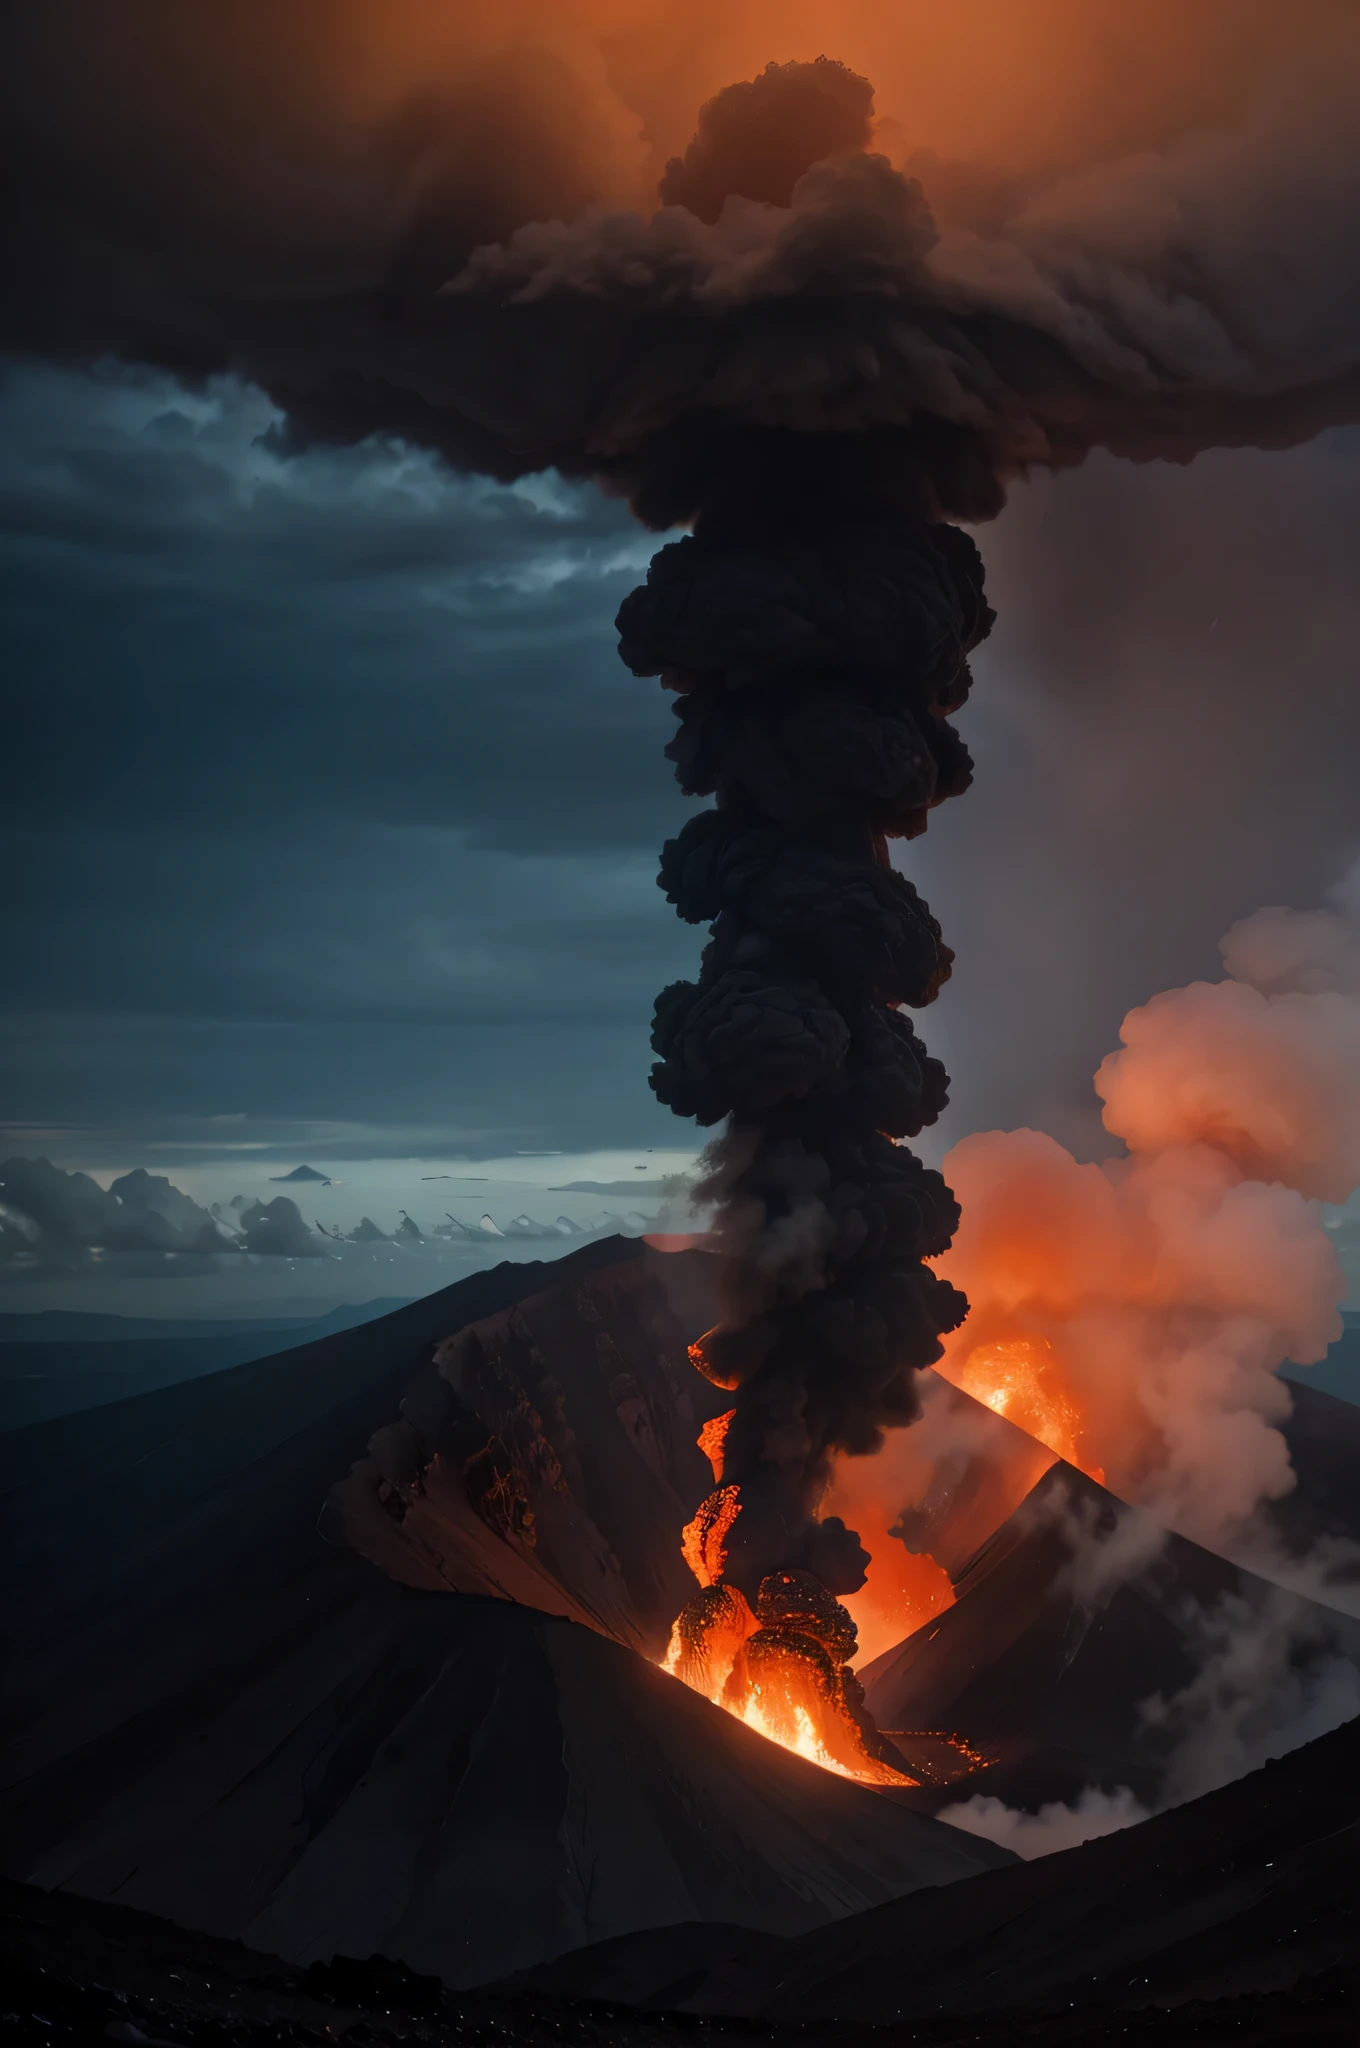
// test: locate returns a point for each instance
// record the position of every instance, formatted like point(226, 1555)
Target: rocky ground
point(76, 1971)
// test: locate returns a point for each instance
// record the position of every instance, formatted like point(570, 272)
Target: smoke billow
point(802, 360)
point(1056, 1825)
point(1158, 1294)
point(1269, 1677)
point(406, 220)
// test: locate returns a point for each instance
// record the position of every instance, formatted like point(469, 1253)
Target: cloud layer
point(53, 1221)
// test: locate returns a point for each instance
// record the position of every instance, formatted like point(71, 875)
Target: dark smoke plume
point(816, 642)
point(216, 192)
point(755, 141)
point(797, 360)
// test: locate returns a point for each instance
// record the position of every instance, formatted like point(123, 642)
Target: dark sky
point(328, 801)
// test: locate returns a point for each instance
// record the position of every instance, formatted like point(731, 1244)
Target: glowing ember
point(1019, 1379)
point(939, 1756)
point(973, 1759)
point(700, 1359)
point(711, 1439)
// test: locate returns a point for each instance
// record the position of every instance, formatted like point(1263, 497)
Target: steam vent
point(815, 629)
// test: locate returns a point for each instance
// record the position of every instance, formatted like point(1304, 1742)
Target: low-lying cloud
point(54, 1221)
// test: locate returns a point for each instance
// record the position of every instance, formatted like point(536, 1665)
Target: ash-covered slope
point(469, 1787)
point(1248, 1889)
point(215, 1714)
point(1073, 1617)
point(218, 1484)
point(548, 1453)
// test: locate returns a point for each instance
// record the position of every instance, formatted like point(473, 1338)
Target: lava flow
point(782, 1667)
point(1019, 1379)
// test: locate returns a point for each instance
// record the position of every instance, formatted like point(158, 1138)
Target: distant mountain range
point(64, 1360)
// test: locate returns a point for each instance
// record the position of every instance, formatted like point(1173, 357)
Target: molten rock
point(704, 1540)
point(785, 1670)
point(707, 1639)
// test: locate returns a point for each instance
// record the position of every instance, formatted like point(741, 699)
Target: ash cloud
point(1158, 303)
point(755, 139)
point(1105, 316)
point(1160, 1292)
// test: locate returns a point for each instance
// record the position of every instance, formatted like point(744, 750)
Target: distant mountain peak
point(303, 1173)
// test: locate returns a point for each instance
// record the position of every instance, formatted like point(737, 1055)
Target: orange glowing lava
point(783, 1668)
point(711, 1439)
point(704, 1540)
point(1018, 1378)
point(702, 1359)
point(706, 1639)
point(795, 1729)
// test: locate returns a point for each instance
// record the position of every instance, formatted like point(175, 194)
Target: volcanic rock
point(463, 1785)
point(1250, 1889)
point(548, 1454)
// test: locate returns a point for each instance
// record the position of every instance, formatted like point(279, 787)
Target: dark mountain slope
point(1070, 1617)
point(465, 1785)
point(548, 1452)
point(58, 1363)
point(1250, 1889)
point(1339, 1372)
point(1323, 1435)
point(973, 1467)
point(211, 1712)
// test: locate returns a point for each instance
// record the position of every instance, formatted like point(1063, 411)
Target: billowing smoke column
point(816, 628)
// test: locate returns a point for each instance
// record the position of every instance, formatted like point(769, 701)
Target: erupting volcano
point(801, 361)
point(785, 374)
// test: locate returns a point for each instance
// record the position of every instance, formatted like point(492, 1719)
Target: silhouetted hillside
point(1249, 1890)
point(217, 1715)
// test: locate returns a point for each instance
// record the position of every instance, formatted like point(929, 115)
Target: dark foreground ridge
point(1246, 1893)
point(79, 1972)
